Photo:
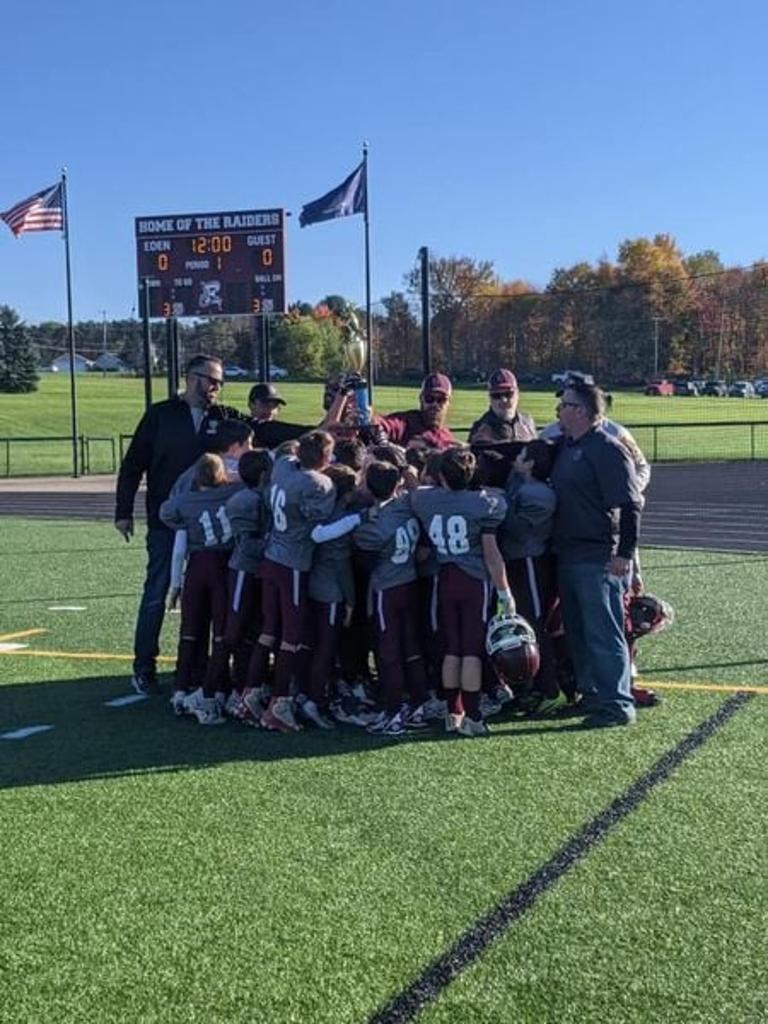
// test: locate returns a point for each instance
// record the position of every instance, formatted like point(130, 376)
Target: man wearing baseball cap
point(264, 402)
point(427, 423)
point(502, 422)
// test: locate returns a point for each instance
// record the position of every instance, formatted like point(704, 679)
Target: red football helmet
point(512, 648)
point(647, 614)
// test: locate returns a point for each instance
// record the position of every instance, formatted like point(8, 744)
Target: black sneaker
point(145, 683)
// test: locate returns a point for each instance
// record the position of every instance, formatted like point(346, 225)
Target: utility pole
point(426, 341)
point(103, 330)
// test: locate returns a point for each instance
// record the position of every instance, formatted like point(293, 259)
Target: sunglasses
point(436, 399)
point(215, 382)
point(497, 395)
point(569, 405)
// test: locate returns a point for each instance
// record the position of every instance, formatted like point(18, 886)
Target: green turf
point(110, 406)
point(156, 871)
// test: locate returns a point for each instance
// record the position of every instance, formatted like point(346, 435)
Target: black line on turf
point(472, 944)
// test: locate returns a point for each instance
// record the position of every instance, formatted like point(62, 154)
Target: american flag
point(44, 211)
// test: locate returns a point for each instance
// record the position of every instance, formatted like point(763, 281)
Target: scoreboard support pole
point(172, 354)
point(267, 346)
point(146, 345)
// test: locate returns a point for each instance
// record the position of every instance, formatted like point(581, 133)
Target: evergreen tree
point(18, 370)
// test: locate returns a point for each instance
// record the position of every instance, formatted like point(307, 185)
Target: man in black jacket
point(168, 439)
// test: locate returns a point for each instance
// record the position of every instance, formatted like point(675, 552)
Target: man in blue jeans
point(595, 533)
point(168, 439)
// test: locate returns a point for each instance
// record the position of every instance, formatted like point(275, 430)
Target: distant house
point(108, 362)
point(61, 364)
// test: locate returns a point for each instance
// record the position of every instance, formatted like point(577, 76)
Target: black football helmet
point(512, 648)
point(647, 614)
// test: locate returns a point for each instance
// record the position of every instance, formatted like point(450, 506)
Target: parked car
point(562, 379)
point(235, 372)
point(685, 388)
point(741, 389)
point(716, 388)
point(277, 373)
point(761, 387)
point(659, 386)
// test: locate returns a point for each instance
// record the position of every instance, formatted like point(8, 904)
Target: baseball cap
point(502, 380)
point(436, 383)
point(265, 393)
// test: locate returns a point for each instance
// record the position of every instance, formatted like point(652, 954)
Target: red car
point(659, 386)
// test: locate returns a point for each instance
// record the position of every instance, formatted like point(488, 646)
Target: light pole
point(656, 321)
point(104, 330)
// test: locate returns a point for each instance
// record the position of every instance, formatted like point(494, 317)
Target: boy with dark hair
point(300, 496)
point(524, 539)
point(248, 513)
point(461, 524)
point(391, 538)
point(202, 513)
point(350, 451)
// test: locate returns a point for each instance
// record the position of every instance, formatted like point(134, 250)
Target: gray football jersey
point(248, 514)
point(455, 522)
point(393, 535)
point(203, 514)
point(331, 576)
point(298, 499)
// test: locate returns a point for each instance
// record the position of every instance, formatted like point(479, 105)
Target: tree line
point(651, 310)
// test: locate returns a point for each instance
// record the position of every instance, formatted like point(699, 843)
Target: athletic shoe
point(221, 700)
point(232, 707)
point(473, 727)
point(453, 722)
point(145, 683)
point(489, 707)
point(207, 712)
point(599, 720)
point(279, 716)
point(396, 726)
point(251, 705)
point(309, 710)
point(413, 718)
point(503, 694)
point(550, 707)
point(434, 710)
point(194, 701)
point(380, 722)
point(178, 697)
point(360, 692)
point(645, 698)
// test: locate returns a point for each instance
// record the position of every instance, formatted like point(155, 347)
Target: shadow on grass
point(90, 741)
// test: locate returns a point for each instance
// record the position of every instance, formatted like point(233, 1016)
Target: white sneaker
point(380, 722)
point(279, 716)
point(309, 710)
point(473, 727)
point(453, 722)
point(208, 713)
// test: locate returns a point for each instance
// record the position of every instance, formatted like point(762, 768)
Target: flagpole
point(70, 326)
point(368, 318)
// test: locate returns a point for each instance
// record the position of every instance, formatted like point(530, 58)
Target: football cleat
point(397, 724)
point(380, 722)
point(279, 716)
point(207, 712)
point(489, 706)
point(414, 718)
point(473, 727)
point(145, 683)
point(647, 614)
point(435, 709)
point(310, 712)
point(512, 648)
point(232, 707)
point(194, 701)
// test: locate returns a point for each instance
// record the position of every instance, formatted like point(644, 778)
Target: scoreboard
point(212, 264)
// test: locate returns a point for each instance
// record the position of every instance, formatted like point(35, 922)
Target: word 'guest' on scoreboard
point(212, 264)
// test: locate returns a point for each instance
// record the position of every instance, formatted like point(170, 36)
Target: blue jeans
point(593, 616)
point(146, 644)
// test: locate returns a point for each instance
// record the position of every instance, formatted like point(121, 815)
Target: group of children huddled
point(301, 564)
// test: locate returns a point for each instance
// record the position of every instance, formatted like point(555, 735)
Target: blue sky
point(530, 134)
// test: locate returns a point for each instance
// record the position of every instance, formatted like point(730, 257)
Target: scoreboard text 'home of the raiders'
point(212, 264)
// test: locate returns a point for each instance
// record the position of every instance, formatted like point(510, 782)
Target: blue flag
point(347, 198)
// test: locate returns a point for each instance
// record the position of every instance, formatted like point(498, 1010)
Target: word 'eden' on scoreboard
point(212, 264)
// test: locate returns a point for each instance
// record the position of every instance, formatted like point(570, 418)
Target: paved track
point(702, 505)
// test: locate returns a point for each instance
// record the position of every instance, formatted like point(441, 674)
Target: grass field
point(155, 871)
point(111, 406)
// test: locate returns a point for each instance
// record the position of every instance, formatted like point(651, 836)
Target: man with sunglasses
point(502, 422)
point(427, 423)
point(170, 436)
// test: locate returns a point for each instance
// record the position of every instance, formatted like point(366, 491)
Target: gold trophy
point(355, 349)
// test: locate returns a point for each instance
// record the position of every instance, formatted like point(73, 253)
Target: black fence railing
point(661, 442)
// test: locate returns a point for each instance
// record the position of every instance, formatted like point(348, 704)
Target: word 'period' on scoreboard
point(212, 264)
